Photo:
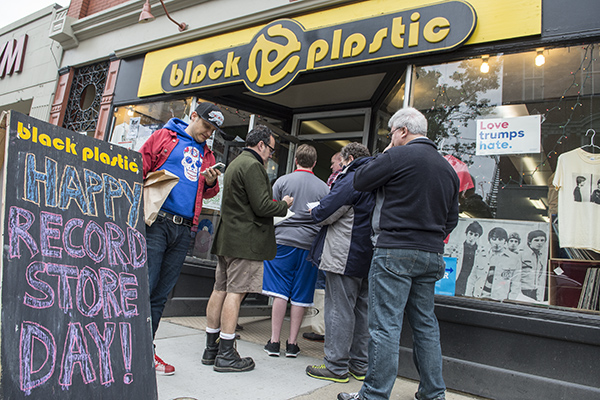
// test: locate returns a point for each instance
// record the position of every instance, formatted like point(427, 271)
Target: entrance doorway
point(328, 132)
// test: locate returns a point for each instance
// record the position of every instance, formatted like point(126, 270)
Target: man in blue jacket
point(416, 208)
point(344, 251)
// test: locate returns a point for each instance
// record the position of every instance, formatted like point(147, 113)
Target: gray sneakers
point(348, 396)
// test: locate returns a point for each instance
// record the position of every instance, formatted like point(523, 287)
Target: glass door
point(328, 132)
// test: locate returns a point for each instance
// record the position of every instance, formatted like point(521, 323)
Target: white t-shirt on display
point(577, 180)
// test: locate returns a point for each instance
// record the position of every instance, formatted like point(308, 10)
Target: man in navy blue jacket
point(416, 208)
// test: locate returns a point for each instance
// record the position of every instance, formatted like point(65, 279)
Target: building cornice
point(69, 33)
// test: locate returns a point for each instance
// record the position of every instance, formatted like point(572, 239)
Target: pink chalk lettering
point(30, 376)
point(115, 237)
point(109, 282)
point(128, 294)
point(135, 238)
point(47, 233)
point(103, 343)
point(126, 349)
point(91, 229)
point(32, 272)
point(88, 279)
point(70, 248)
point(64, 273)
point(76, 353)
point(18, 230)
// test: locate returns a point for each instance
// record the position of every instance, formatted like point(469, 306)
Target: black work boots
point(228, 359)
point(212, 348)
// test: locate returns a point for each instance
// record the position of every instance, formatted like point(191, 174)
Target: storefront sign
point(12, 56)
point(282, 49)
point(519, 135)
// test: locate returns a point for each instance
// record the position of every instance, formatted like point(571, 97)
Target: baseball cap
point(212, 114)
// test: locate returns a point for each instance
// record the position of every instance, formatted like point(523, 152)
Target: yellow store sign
point(268, 58)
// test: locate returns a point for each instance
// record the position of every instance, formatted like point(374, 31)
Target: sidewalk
point(180, 341)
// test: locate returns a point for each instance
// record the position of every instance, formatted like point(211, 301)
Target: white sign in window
point(518, 135)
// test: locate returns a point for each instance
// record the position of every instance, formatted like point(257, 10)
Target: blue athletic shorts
point(290, 276)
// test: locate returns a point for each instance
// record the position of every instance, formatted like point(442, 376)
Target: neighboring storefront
point(507, 87)
point(29, 61)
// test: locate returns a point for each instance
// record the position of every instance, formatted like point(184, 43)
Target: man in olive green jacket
point(245, 237)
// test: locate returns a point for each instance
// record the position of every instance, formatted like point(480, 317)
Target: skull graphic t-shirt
point(184, 161)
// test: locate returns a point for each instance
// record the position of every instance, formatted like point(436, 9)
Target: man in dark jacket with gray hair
point(416, 208)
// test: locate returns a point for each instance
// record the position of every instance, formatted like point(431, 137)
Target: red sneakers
point(162, 368)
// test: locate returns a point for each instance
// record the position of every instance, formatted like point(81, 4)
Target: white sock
point(212, 330)
point(227, 336)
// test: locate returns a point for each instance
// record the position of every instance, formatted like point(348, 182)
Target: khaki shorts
point(238, 275)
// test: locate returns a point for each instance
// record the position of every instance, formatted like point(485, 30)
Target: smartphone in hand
point(218, 166)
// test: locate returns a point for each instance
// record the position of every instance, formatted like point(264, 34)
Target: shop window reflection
point(517, 187)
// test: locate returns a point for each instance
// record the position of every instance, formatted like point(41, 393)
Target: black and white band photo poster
point(501, 259)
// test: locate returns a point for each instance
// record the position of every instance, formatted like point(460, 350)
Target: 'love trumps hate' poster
point(518, 135)
point(75, 310)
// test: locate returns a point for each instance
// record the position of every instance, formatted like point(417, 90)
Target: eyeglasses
point(272, 150)
point(391, 133)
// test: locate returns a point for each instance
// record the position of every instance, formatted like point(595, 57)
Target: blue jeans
point(167, 245)
point(403, 281)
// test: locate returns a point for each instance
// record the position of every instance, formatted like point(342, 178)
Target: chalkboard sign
point(75, 310)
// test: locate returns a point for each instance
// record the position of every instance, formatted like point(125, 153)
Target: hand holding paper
point(289, 200)
point(312, 204)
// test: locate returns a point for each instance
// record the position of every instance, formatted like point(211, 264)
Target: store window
point(133, 124)
point(506, 246)
point(392, 103)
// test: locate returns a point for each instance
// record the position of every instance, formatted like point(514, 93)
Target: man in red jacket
point(179, 148)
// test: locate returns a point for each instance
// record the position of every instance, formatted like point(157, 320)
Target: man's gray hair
point(260, 133)
point(411, 119)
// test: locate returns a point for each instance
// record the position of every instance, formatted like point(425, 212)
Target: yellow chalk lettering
point(87, 153)
point(58, 143)
point(23, 132)
point(70, 146)
point(45, 140)
point(104, 158)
